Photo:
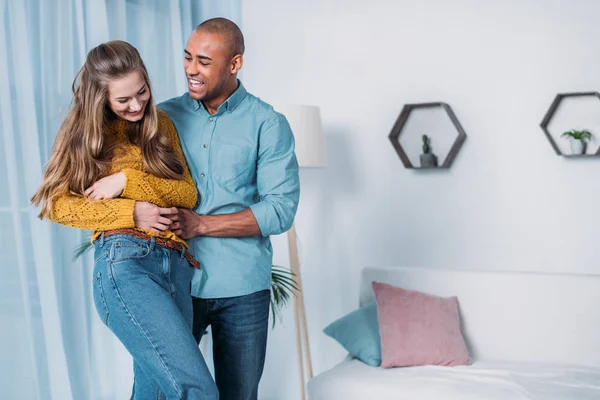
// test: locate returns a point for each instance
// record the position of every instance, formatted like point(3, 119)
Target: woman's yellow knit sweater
point(103, 215)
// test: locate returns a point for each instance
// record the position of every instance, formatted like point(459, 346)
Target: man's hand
point(186, 223)
point(151, 217)
point(108, 187)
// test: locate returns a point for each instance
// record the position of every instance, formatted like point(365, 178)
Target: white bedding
point(481, 381)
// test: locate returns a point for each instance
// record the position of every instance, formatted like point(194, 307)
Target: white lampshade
point(308, 133)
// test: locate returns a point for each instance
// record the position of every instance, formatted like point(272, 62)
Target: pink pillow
point(418, 329)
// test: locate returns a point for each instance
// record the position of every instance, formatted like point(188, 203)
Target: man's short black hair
point(228, 29)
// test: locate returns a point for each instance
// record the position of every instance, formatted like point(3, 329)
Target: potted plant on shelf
point(578, 139)
point(428, 159)
point(283, 282)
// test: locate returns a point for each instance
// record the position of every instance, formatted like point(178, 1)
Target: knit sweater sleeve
point(142, 186)
point(99, 215)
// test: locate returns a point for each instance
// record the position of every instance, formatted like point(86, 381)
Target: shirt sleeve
point(98, 215)
point(142, 186)
point(277, 178)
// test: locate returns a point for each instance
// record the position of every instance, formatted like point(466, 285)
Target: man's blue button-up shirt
point(240, 157)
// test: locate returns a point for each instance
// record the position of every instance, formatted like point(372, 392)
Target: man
point(241, 154)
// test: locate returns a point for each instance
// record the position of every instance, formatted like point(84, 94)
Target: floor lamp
point(310, 151)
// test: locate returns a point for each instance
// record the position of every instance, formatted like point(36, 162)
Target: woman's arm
point(103, 215)
point(79, 212)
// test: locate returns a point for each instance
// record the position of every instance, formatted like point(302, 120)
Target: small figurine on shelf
point(428, 159)
point(579, 139)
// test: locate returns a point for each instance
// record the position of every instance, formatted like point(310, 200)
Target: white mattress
point(481, 381)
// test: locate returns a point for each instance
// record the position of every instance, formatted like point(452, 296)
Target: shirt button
point(198, 203)
point(205, 146)
point(211, 119)
point(202, 175)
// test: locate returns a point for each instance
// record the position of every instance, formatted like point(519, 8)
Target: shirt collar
point(228, 105)
point(235, 99)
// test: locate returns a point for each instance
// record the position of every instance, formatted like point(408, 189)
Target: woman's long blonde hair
point(83, 149)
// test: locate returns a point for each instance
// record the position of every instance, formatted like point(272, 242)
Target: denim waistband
point(152, 241)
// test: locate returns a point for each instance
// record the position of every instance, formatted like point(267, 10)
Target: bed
point(532, 336)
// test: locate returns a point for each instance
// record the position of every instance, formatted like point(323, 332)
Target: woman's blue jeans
point(142, 293)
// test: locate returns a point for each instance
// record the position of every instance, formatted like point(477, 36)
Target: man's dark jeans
point(239, 328)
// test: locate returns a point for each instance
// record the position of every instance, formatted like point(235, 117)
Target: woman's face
point(128, 96)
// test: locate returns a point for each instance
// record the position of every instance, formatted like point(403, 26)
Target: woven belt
point(168, 243)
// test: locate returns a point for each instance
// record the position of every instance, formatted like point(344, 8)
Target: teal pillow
point(358, 332)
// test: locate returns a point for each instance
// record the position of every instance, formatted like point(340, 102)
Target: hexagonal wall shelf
point(593, 117)
point(435, 120)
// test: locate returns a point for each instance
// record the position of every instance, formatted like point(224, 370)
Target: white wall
point(508, 203)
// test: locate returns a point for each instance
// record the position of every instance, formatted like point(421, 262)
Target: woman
point(117, 167)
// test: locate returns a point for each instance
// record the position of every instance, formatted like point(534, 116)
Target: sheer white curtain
point(52, 344)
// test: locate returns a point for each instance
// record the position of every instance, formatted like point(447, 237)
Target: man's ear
point(236, 63)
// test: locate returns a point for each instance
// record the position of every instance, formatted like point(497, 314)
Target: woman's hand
point(108, 187)
point(152, 218)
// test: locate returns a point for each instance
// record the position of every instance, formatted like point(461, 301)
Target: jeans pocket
point(99, 300)
point(125, 250)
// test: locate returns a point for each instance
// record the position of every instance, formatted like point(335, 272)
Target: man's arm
point(189, 224)
point(278, 187)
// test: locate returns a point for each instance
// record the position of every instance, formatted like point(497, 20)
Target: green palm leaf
point(82, 248)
